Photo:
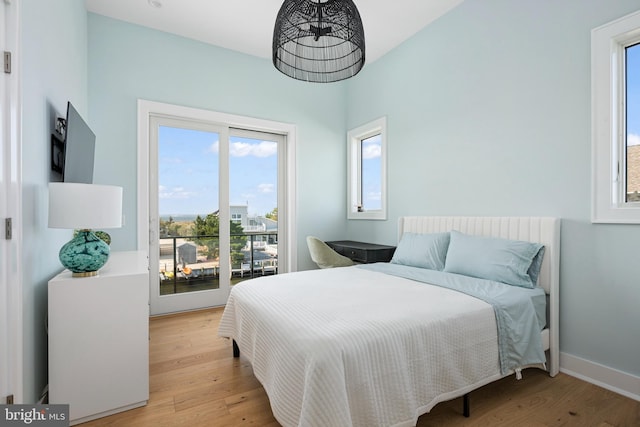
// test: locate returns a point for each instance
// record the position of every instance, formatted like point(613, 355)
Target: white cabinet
point(99, 338)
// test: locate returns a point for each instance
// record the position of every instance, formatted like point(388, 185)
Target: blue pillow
point(422, 250)
point(513, 262)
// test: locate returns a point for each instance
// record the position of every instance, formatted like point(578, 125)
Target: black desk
point(363, 252)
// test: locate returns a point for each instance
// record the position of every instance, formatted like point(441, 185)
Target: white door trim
point(10, 186)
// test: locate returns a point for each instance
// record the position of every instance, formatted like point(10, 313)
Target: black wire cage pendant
point(318, 41)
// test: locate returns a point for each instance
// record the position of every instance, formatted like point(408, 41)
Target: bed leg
point(465, 405)
point(236, 349)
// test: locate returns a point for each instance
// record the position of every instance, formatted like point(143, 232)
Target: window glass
point(253, 190)
point(632, 73)
point(371, 195)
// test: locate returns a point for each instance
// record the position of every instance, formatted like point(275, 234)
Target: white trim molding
point(11, 277)
point(611, 379)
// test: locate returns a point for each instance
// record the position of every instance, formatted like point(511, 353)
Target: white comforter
point(350, 347)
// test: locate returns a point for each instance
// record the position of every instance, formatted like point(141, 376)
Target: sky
point(371, 173)
point(189, 166)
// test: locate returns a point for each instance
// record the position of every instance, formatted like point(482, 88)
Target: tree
point(208, 227)
point(207, 230)
point(168, 228)
point(238, 240)
point(273, 214)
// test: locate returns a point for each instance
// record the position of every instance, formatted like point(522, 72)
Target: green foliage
point(168, 228)
point(171, 228)
point(273, 214)
point(208, 231)
point(208, 226)
point(238, 240)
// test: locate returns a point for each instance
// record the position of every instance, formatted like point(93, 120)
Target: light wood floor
point(195, 382)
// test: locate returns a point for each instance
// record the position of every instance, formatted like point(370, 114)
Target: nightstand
point(99, 338)
point(363, 252)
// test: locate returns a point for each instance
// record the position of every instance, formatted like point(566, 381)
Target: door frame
point(287, 253)
point(11, 292)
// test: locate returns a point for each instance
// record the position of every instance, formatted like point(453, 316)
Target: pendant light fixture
point(318, 40)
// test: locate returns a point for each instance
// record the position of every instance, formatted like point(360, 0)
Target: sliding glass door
point(213, 210)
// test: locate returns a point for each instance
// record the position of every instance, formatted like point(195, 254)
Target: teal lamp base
point(85, 254)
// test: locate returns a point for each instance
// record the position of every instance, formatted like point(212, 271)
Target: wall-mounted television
point(73, 148)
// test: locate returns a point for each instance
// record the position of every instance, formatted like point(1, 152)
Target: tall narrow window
point(367, 171)
point(615, 97)
point(632, 96)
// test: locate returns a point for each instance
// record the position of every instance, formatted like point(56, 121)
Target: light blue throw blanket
point(520, 312)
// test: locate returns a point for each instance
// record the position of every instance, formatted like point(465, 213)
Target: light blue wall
point(489, 114)
point(53, 71)
point(129, 62)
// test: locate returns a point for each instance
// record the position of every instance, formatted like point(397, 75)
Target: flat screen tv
point(73, 148)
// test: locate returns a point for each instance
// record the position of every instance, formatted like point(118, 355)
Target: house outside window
point(239, 213)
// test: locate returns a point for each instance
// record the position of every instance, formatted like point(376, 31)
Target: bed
point(381, 344)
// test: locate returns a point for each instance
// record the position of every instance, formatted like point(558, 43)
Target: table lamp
point(84, 207)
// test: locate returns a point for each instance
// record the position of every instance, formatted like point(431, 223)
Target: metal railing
point(186, 270)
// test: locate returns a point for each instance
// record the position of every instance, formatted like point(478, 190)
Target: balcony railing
point(187, 266)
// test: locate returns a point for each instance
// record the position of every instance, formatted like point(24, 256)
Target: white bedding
point(350, 347)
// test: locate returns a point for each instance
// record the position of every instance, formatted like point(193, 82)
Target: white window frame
point(608, 138)
point(354, 172)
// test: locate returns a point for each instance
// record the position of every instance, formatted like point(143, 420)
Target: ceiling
point(247, 25)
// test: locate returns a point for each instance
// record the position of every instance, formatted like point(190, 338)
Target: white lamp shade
point(84, 206)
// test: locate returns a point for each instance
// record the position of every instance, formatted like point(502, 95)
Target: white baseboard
point(617, 381)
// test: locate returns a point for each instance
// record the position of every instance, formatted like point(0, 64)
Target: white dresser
point(99, 338)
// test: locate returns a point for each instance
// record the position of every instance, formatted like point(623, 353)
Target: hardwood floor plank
point(214, 391)
point(196, 382)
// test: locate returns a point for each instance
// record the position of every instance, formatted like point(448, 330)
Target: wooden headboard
point(545, 230)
